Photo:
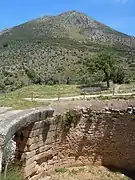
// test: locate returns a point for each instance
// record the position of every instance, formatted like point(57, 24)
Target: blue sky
point(119, 14)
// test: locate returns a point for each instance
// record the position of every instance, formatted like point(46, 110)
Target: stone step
point(4, 109)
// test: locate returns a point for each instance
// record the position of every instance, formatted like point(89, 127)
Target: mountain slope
point(47, 50)
point(64, 25)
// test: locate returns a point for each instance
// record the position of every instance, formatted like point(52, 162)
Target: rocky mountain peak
point(76, 18)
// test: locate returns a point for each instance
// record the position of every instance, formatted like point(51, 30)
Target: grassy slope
point(19, 103)
point(43, 91)
point(16, 99)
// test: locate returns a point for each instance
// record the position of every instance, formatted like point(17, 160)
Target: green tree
point(33, 76)
point(118, 74)
point(104, 62)
point(2, 85)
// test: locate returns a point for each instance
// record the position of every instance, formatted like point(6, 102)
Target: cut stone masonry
point(78, 137)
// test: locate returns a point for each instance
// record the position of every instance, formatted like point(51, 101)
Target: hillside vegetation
point(52, 50)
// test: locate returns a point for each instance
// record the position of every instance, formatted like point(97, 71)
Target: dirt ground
point(95, 104)
point(85, 173)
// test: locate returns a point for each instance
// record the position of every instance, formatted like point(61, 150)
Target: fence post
point(1, 154)
point(32, 95)
point(113, 91)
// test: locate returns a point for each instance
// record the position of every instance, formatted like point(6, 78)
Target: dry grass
point(85, 173)
point(46, 91)
point(12, 174)
point(17, 102)
point(124, 88)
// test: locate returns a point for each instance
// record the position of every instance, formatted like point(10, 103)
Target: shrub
point(69, 118)
point(12, 174)
point(61, 170)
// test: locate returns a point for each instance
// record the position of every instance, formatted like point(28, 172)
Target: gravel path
point(78, 97)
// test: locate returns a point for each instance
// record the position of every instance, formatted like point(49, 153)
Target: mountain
point(71, 24)
point(47, 49)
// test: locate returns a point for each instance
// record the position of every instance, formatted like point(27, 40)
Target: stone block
point(44, 166)
point(36, 132)
point(44, 154)
point(32, 140)
point(30, 166)
point(32, 133)
point(28, 170)
point(30, 161)
point(28, 155)
point(40, 124)
point(36, 177)
point(37, 125)
point(36, 145)
point(44, 148)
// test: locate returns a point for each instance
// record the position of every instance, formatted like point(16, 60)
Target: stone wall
point(78, 137)
point(12, 123)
